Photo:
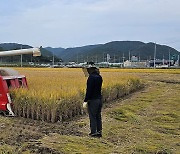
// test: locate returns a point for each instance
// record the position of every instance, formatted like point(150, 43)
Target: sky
point(72, 23)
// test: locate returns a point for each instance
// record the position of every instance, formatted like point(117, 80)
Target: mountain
point(46, 56)
point(147, 51)
point(116, 50)
point(57, 51)
point(69, 54)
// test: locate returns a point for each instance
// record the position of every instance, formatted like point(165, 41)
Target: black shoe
point(98, 135)
point(92, 134)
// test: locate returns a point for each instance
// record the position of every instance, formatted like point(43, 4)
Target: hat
point(89, 67)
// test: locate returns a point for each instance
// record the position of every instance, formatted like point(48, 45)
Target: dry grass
point(146, 70)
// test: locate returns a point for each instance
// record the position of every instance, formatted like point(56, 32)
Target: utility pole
point(154, 55)
point(87, 58)
point(123, 59)
point(169, 58)
point(21, 60)
point(77, 58)
point(139, 57)
point(163, 59)
point(21, 57)
point(130, 58)
point(178, 61)
point(82, 58)
point(103, 57)
point(53, 59)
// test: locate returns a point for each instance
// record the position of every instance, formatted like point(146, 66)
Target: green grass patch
point(150, 121)
point(124, 115)
point(74, 144)
point(150, 149)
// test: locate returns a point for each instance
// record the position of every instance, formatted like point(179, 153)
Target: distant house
point(137, 64)
point(134, 59)
point(159, 62)
point(127, 63)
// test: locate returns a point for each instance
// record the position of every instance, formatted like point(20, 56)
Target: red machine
point(10, 78)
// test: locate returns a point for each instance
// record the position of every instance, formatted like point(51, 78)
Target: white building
point(128, 63)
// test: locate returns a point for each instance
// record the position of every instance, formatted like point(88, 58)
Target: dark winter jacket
point(94, 84)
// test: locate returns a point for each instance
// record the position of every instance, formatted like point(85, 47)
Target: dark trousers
point(94, 110)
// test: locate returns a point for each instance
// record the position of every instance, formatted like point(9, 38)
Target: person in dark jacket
point(93, 101)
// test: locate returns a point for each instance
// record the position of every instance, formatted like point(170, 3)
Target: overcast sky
point(70, 23)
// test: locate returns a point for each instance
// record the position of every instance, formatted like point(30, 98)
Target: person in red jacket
point(93, 100)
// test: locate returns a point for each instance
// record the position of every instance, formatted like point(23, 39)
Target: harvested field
point(144, 122)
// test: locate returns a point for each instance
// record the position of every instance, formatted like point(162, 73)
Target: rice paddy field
point(141, 113)
point(57, 94)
